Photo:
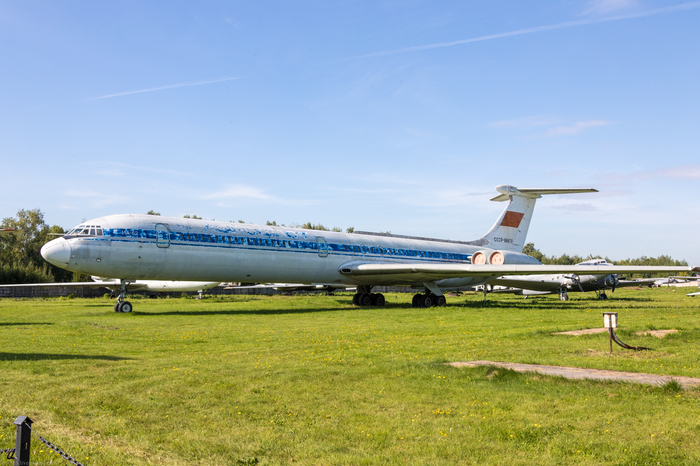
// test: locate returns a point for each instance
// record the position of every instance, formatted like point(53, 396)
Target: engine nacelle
point(503, 258)
point(480, 258)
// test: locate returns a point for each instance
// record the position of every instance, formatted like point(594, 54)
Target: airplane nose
point(57, 252)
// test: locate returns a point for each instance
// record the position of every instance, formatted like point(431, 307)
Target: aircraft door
point(162, 235)
point(322, 247)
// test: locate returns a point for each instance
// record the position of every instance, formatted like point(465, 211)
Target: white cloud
point(171, 86)
point(575, 128)
point(524, 123)
point(550, 27)
point(604, 7)
point(685, 172)
point(238, 192)
point(576, 207)
point(121, 169)
point(96, 199)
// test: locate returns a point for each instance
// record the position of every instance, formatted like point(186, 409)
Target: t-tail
point(510, 230)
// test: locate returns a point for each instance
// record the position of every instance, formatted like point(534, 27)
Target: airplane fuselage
point(138, 247)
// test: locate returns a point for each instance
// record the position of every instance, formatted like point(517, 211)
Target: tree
point(532, 251)
point(152, 212)
point(310, 226)
point(20, 252)
point(193, 216)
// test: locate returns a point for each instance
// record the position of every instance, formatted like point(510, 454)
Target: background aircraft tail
point(510, 230)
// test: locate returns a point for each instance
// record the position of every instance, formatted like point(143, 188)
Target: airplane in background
point(162, 286)
point(562, 284)
point(690, 279)
point(143, 247)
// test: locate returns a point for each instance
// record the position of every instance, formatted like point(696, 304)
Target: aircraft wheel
point(116, 307)
point(378, 299)
point(564, 297)
point(440, 301)
point(426, 301)
point(364, 300)
point(126, 307)
point(416, 300)
point(356, 299)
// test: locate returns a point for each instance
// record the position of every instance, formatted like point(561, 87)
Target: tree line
point(21, 261)
point(20, 256)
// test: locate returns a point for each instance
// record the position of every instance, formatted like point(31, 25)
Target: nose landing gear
point(122, 305)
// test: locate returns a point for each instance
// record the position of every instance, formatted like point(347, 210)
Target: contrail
point(568, 24)
point(162, 88)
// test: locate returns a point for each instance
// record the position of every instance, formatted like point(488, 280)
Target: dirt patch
point(658, 333)
point(585, 331)
point(590, 374)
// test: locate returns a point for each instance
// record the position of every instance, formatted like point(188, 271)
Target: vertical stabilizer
point(510, 230)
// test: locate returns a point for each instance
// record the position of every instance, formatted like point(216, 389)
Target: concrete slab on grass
point(585, 331)
point(591, 331)
point(590, 374)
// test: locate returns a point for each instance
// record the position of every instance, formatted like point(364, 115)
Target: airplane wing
point(640, 282)
point(50, 285)
point(526, 283)
point(294, 287)
point(419, 272)
point(516, 285)
point(138, 285)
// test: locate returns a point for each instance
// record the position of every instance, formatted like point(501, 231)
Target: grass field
point(313, 380)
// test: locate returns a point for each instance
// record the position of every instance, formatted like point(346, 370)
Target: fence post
point(23, 440)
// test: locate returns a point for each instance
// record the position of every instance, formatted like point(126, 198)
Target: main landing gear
point(563, 295)
point(122, 305)
point(363, 297)
point(602, 295)
point(428, 300)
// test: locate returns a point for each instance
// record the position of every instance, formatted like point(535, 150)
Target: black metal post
point(23, 440)
point(610, 331)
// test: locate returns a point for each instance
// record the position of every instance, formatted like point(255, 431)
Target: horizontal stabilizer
point(534, 193)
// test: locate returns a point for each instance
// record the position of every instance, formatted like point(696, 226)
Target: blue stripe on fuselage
point(292, 245)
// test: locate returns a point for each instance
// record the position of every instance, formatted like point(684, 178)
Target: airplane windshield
point(85, 230)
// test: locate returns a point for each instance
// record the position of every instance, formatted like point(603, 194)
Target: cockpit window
point(85, 230)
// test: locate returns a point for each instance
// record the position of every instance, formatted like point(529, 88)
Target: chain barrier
point(10, 453)
point(63, 454)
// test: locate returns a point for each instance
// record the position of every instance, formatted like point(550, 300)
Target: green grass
point(314, 380)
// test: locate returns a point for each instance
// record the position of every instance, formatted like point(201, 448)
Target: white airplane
point(139, 247)
point(690, 279)
point(113, 284)
point(529, 285)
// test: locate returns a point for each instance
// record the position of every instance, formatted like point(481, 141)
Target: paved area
point(658, 333)
point(585, 331)
point(590, 374)
point(590, 331)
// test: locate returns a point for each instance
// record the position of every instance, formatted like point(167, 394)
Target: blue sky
point(396, 116)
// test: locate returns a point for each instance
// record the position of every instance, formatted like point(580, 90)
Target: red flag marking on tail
point(512, 219)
